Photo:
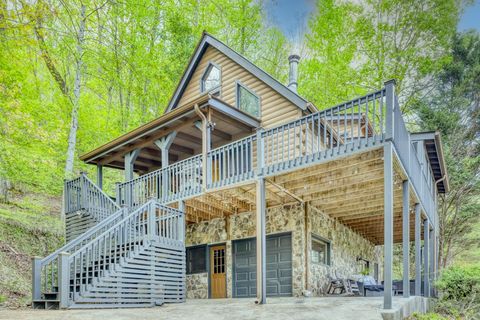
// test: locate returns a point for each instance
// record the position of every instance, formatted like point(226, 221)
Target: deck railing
point(419, 174)
point(232, 163)
point(45, 271)
point(82, 194)
point(151, 221)
point(350, 125)
point(181, 179)
point(359, 123)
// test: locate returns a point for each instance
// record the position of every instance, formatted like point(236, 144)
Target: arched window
point(211, 78)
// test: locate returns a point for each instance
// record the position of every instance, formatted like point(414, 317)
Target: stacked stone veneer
point(346, 245)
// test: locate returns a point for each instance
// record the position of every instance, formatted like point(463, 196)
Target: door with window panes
point(218, 282)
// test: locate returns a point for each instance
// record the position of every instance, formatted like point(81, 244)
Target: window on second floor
point(248, 101)
point(211, 79)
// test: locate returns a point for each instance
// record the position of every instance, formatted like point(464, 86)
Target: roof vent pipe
point(293, 73)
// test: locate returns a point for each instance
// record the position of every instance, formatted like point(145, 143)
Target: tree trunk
point(72, 136)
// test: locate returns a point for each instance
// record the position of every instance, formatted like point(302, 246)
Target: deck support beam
point(130, 158)
point(426, 267)
point(388, 224)
point(100, 176)
point(418, 250)
point(261, 241)
point(406, 238)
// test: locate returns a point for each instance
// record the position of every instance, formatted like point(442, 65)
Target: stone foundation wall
point(280, 219)
point(346, 246)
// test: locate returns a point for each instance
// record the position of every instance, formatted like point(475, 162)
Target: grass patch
point(30, 225)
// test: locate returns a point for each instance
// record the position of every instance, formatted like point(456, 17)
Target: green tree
point(453, 108)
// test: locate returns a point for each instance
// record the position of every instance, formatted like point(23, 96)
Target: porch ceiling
point(349, 190)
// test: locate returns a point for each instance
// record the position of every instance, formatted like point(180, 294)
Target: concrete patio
point(369, 308)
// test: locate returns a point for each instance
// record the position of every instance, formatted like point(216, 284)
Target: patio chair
point(334, 285)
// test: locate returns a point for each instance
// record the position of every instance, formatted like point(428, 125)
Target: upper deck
point(333, 157)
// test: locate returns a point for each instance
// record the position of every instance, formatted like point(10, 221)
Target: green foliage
point(459, 292)
point(453, 109)
point(354, 47)
point(133, 55)
point(427, 316)
point(29, 226)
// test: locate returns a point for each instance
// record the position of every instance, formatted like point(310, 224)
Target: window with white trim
point(320, 251)
point(211, 79)
point(248, 101)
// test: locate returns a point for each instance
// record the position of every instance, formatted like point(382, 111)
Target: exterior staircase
point(128, 258)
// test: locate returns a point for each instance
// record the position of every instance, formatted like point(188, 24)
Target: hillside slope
point(30, 226)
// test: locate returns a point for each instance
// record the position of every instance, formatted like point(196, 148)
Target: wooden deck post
point(100, 176)
point(181, 223)
point(406, 238)
point(388, 224)
point(164, 144)
point(63, 279)
point(130, 158)
point(426, 268)
point(390, 103)
point(36, 278)
point(261, 241)
point(418, 249)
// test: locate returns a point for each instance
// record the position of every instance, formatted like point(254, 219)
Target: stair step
point(50, 295)
point(46, 304)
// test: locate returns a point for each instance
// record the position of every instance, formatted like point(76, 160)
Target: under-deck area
point(349, 189)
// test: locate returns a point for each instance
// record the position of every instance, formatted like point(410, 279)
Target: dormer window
point(248, 101)
point(211, 78)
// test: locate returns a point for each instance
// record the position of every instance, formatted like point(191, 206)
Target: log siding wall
point(275, 109)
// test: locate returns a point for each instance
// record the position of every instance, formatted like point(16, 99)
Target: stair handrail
point(47, 267)
point(82, 194)
point(108, 248)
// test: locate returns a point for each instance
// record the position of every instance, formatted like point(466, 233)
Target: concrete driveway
point(337, 308)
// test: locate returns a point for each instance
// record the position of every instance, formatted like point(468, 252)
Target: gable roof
point(208, 40)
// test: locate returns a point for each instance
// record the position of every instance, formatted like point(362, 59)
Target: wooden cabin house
point(242, 188)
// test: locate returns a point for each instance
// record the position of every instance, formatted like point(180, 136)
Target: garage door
point(279, 267)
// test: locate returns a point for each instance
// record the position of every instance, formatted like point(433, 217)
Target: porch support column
point(206, 127)
point(418, 249)
point(388, 224)
point(130, 158)
point(426, 267)
point(261, 241)
point(406, 238)
point(164, 144)
point(100, 176)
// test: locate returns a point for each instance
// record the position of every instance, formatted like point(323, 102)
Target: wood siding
point(275, 109)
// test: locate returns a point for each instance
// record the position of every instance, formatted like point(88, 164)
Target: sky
point(291, 16)
point(470, 18)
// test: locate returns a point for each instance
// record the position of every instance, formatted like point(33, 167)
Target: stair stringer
point(151, 274)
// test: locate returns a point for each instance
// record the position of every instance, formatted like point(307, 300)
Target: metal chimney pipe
point(293, 73)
